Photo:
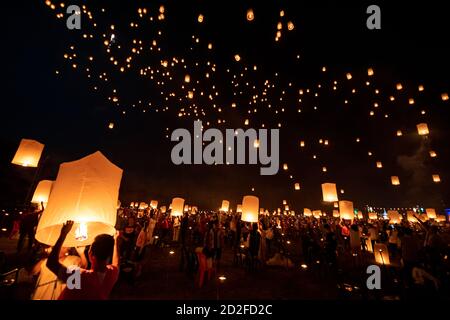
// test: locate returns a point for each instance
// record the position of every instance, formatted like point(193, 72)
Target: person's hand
point(116, 235)
point(67, 226)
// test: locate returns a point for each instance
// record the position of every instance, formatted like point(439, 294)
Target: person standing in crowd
point(98, 281)
point(184, 228)
point(27, 228)
point(150, 228)
point(128, 239)
point(330, 245)
point(254, 242)
point(176, 229)
point(214, 241)
point(139, 251)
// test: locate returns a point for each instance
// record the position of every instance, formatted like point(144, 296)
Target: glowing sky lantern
point(307, 212)
point(394, 216)
point(436, 178)
point(297, 186)
point(422, 129)
point(444, 97)
point(163, 209)
point(239, 208)
point(399, 133)
point(440, 218)
point(360, 215)
point(317, 214)
point(286, 208)
point(433, 154)
point(187, 78)
point(290, 26)
point(379, 165)
point(302, 144)
point(431, 213)
point(28, 154)
point(410, 216)
point(250, 15)
point(154, 204)
point(381, 254)
point(111, 125)
point(349, 76)
point(370, 72)
point(143, 206)
point(395, 180)
point(285, 166)
point(336, 214)
point(399, 86)
point(85, 191)
point(284, 202)
point(177, 207)
point(373, 216)
point(186, 208)
point(200, 18)
point(237, 57)
point(329, 192)
point(346, 210)
point(225, 206)
point(250, 209)
point(42, 192)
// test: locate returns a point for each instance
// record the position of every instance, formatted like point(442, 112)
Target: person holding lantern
point(97, 282)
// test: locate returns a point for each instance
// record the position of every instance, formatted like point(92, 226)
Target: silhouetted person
point(27, 228)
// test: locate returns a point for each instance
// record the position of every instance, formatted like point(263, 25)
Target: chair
point(203, 267)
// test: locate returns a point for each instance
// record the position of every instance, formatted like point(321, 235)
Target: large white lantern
point(307, 212)
point(346, 210)
point(329, 192)
point(431, 213)
point(85, 191)
point(422, 129)
point(42, 192)
point(177, 207)
point(154, 204)
point(250, 209)
point(381, 254)
point(225, 206)
point(28, 154)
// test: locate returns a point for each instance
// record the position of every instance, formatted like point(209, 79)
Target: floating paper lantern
point(395, 180)
point(186, 208)
point(290, 26)
point(436, 178)
point(370, 72)
point(360, 215)
point(200, 18)
point(284, 202)
point(111, 125)
point(324, 169)
point(399, 133)
point(307, 212)
point(261, 211)
point(336, 214)
point(250, 15)
point(297, 186)
point(132, 205)
point(286, 208)
point(433, 154)
point(187, 78)
point(317, 214)
point(237, 57)
point(379, 165)
point(346, 210)
point(225, 206)
point(410, 216)
point(250, 206)
point(381, 254)
point(302, 144)
point(154, 204)
point(444, 97)
point(329, 192)
point(373, 216)
point(349, 76)
point(421, 88)
point(177, 207)
point(28, 154)
point(394, 216)
point(440, 218)
point(422, 129)
point(42, 192)
point(431, 213)
point(336, 205)
point(239, 208)
point(143, 206)
point(285, 166)
point(399, 86)
point(85, 191)
point(163, 209)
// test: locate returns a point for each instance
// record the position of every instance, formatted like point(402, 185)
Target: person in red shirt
point(97, 282)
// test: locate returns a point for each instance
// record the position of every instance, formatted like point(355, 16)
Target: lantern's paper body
point(143, 206)
point(431, 213)
point(250, 209)
point(42, 192)
point(440, 218)
point(368, 244)
point(177, 207)
point(410, 216)
point(394, 216)
point(395, 181)
point(436, 178)
point(85, 191)
point(346, 210)
point(336, 214)
point(307, 212)
point(422, 129)
point(239, 208)
point(317, 214)
point(381, 254)
point(225, 206)
point(360, 215)
point(154, 204)
point(297, 186)
point(373, 216)
point(163, 209)
point(28, 154)
point(329, 192)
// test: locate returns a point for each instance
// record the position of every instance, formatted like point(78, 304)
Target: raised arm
point(53, 260)
point(115, 258)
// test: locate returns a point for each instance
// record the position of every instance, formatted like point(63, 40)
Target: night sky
point(64, 112)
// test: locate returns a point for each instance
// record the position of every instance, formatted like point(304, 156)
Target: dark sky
point(64, 113)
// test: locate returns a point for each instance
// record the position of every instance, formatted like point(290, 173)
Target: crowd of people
point(419, 251)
